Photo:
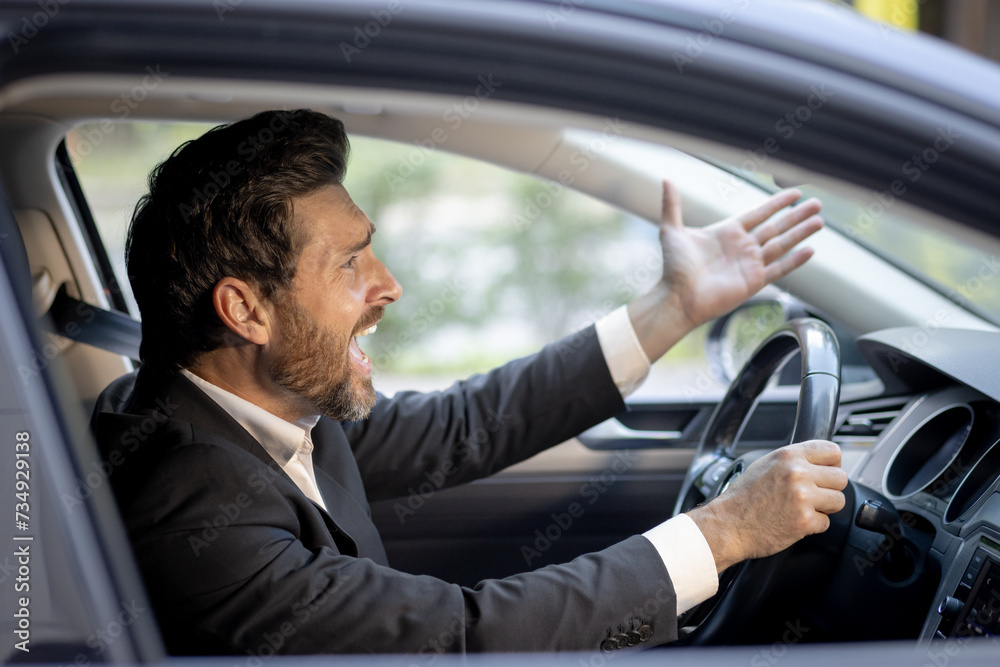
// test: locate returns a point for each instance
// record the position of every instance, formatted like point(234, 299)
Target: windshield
point(953, 261)
point(963, 270)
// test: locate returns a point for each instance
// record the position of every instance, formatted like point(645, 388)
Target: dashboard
point(936, 463)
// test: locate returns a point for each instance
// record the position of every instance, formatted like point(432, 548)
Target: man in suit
point(252, 440)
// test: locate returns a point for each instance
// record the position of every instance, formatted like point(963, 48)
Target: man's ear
point(241, 311)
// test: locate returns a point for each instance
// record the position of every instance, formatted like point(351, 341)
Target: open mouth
point(360, 359)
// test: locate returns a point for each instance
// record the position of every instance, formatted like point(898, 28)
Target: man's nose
point(387, 288)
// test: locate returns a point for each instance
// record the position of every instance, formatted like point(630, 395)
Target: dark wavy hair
point(221, 206)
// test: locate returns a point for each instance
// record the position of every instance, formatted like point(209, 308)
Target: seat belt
point(89, 324)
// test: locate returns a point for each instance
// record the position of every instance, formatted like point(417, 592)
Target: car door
point(486, 287)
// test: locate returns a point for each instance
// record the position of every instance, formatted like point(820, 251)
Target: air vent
point(865, 425)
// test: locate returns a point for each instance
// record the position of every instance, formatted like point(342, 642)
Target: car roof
point(883, 100)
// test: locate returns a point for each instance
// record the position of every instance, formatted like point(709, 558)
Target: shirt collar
point(281, 439)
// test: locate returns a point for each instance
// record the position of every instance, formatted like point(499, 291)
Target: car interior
point(918, 416)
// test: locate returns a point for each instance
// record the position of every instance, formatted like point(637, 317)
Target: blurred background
point(492, 264)
point(971, 24)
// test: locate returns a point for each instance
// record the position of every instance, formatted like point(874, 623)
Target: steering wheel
point(724, 618)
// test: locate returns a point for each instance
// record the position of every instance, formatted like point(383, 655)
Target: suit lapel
point(178, 398)
point(182, 400)
point(340, 483)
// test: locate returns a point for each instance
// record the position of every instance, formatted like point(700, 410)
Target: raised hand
point(709, 271)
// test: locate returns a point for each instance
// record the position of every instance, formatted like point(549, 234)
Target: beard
point(314, 364)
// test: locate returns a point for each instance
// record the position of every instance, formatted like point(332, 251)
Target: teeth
point(369, 330)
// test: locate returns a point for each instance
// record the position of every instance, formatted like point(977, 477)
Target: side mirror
point(734, 337)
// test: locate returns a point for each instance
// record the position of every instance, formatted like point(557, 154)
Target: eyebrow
point(357, 247)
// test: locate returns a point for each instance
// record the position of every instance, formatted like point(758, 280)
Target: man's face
point(339, 291)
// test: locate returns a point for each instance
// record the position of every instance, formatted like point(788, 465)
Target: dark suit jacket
point(237, 560)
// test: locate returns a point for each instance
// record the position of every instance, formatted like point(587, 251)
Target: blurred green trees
point(493, 264)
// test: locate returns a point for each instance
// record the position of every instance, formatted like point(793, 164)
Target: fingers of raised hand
point(778, 223)
point(786, 264)
point(754, 217)
point(671, 211)
point(789, 233)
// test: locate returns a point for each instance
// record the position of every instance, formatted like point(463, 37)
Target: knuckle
point(804, 521)
point(798, 474)
point(785, 455)
point(799, 496)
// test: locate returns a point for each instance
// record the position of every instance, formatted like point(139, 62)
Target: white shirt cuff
point(623, 353)
point(688, 559)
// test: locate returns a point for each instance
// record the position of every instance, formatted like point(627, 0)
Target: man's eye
point(352, 262)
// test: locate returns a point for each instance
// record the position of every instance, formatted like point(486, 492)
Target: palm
point(713, 269)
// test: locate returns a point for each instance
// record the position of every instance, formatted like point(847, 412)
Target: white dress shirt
point(289, 444)
point(684, 550)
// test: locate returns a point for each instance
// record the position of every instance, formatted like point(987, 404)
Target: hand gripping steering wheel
point(742, 588)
